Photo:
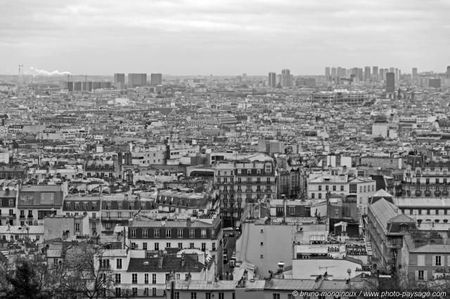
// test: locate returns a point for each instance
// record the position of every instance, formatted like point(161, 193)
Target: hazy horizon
point(222, 38)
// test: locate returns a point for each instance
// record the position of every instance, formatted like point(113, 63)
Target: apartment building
point(424, 260)
point(242, 182)
point(8, 211)
point(151, 155)
point(194, 204)
point(385, 228)
point(119, 209)
point(319, 185)
point(38, 201)
point(425, 178)
point(183, 234)
point(78, 205)
point(148, 276)
point(429, 213)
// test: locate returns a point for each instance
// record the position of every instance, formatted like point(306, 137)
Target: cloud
point(36, 71)
point(187, 36)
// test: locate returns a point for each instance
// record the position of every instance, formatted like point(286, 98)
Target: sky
point(227, 37)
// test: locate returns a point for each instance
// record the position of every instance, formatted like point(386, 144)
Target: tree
point(24, 282)
point(83, 273)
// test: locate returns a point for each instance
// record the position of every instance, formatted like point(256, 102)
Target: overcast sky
point(222, 37)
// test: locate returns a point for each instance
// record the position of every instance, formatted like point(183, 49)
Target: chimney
point(281, 267)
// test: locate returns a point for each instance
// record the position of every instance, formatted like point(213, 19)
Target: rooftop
point(165, 264)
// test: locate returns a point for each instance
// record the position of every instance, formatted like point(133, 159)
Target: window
point(342, 188)
point(191, 233)
point(213, 246)
point(292, 211)
point(146, 278)
point(320, 195)
point(119, 263)
point(420, 275)
point(320, 187)
point(154, 292)
point(146, 292)
point(134, 278)
point(262, 243)
point(77, 227)
point(168, 245)
point(276, 296)
point(193, 295)
point(180, 233)
point(207, 295)
point(221, 295)
point(438, 260)
point(177, 295)
point(144, 245)
point(117, 278)
point(168, 233)
point(191, 245)
point(153, 278)
point(203, 246)
point(134, 291)
point(180, 245)
point(334, 187)
point(133, 232)
point(261, 256)
point(312, 195)
point(421, 260)
point(117, 292)
point(144, 233)
point(156, 233)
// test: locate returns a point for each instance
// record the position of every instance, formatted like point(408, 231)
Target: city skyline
point(222, 38)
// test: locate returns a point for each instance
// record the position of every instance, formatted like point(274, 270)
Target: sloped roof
point(402, 218)
point(382, 193)
point(383, 211)
point(168, 263)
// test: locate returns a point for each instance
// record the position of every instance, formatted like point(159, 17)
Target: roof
point(426, 248)
point(291, 284)
point(382, 193)
point(383, 211)
point(41, 188)
point(205, 285)
point(402, 218)
point(432, 248)
point(165, 264)
point(8, 194)
point(426, 202)
point(34, 229)
point(171, 223)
